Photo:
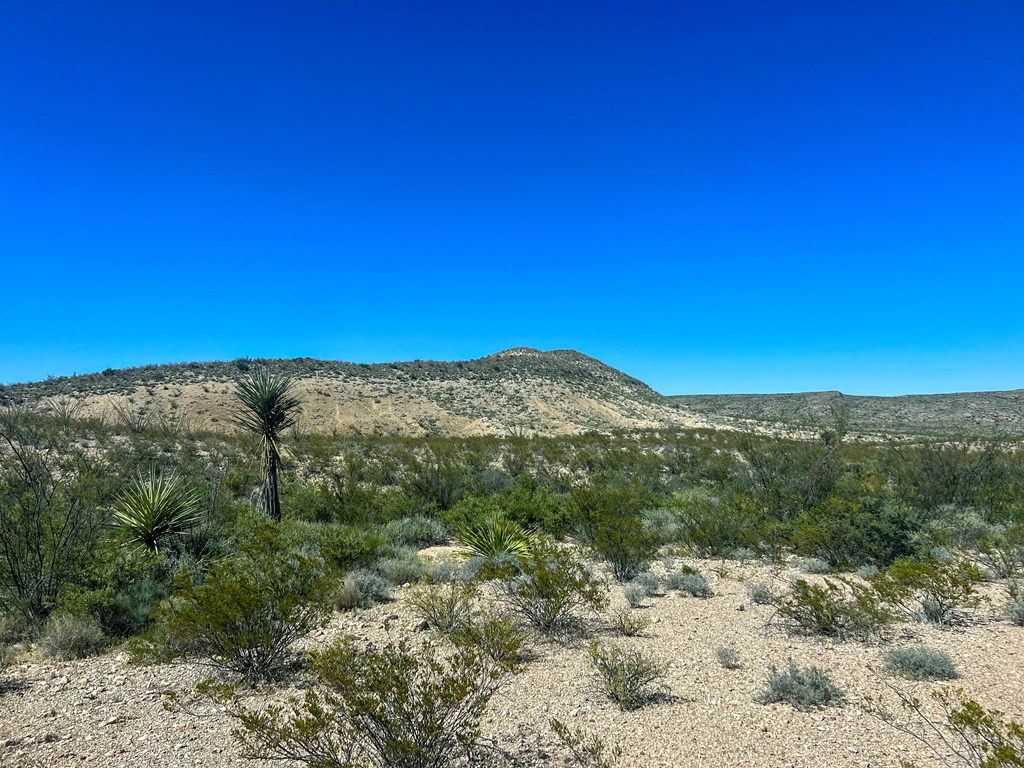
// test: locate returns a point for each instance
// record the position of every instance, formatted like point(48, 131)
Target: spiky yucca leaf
point(495, 536)
point(153, 508)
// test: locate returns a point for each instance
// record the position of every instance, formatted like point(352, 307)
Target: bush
point(634, 595)
point(841, 609)
point(947, 594)
point(816, 565)
point(73, 637)
point(921, 664)
point(446, 607)
point(692, 584)
point(1015, 612)
point(711, 528)
point(649, 583)
point(608, 519)
point(630, 624)
point(629, 678)
point(801, 688)
point(587, 751)
point(387, 708)
point(552, 588)
point(245, 616)
point(419, 532)
point(497, 635)
point(728, 657)
point(760, 594)
point(362, 588)
point(973, 736)
point(403, 568)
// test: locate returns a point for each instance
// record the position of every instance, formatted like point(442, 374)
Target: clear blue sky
point(713, 196)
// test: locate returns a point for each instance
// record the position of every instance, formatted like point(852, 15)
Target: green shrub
point(553, 587)
point(131, 608)
point(362, 588)
point(630, 624)
point(497, 635)
point(921, 663)
point(946, 594)
point(73, 637)
point(391, 707)
point(972, 736)
point(712, 528)
point(246, 615)
point(587, 751)
point(447, 606)
point(629, 678)
point(418, 531)
point(692, 584)
point(14, 628)
point(728, 657)
point(841, 609)
point(608, 519)
point(801, 688)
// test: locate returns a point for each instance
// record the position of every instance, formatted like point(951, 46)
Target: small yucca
point(495, 537)
point(153, 508)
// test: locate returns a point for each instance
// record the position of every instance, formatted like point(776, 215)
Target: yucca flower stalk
point(266, 408)
point(155, 507)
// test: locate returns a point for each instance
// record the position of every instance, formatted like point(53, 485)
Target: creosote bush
point(446, 607)
point(921, 663)
point(552, 589)
point(801, 688)
point(629, 677)
point(497, 635)
point(944, 593)
point(629, 623)
point(392, 707)
point(246, 614)
point(587, 751)
point(842, 609)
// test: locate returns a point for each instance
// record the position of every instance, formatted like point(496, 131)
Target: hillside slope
point(969, 414)
point(559, 392)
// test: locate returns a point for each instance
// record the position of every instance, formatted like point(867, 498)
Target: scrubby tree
point(267, 406)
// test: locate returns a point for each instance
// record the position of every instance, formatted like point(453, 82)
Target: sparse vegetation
point(921, 663)
point(629, 623)
point(728, 657)
point(692, 584)
point(808, 688)
point(629, 677)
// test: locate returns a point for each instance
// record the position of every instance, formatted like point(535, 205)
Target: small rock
point(421, 626)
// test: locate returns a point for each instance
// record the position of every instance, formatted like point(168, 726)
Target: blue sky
point(712, 196)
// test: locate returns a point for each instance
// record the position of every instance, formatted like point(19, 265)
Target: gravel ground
point(106, 712)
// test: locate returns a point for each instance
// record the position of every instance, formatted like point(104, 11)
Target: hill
point(968, 414)
point(523, 390)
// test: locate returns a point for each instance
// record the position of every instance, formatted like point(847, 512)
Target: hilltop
point(523, 390)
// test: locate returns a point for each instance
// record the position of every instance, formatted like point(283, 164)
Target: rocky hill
point(522, 390)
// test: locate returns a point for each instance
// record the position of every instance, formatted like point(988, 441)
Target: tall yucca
point(155, 507)
point(267, 407)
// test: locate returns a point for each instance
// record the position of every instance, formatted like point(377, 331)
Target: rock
point(420, 626)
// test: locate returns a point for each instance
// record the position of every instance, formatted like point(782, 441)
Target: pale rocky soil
point(102, 711)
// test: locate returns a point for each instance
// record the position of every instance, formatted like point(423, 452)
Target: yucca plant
point(155, 507)
point(267, 407)
point(495, 538)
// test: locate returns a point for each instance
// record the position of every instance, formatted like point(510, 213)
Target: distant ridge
point(521, 390)
point(967, 414)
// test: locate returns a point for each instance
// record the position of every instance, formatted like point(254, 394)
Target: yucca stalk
point(495, 536)
point(153, 508)
point(266, 408)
